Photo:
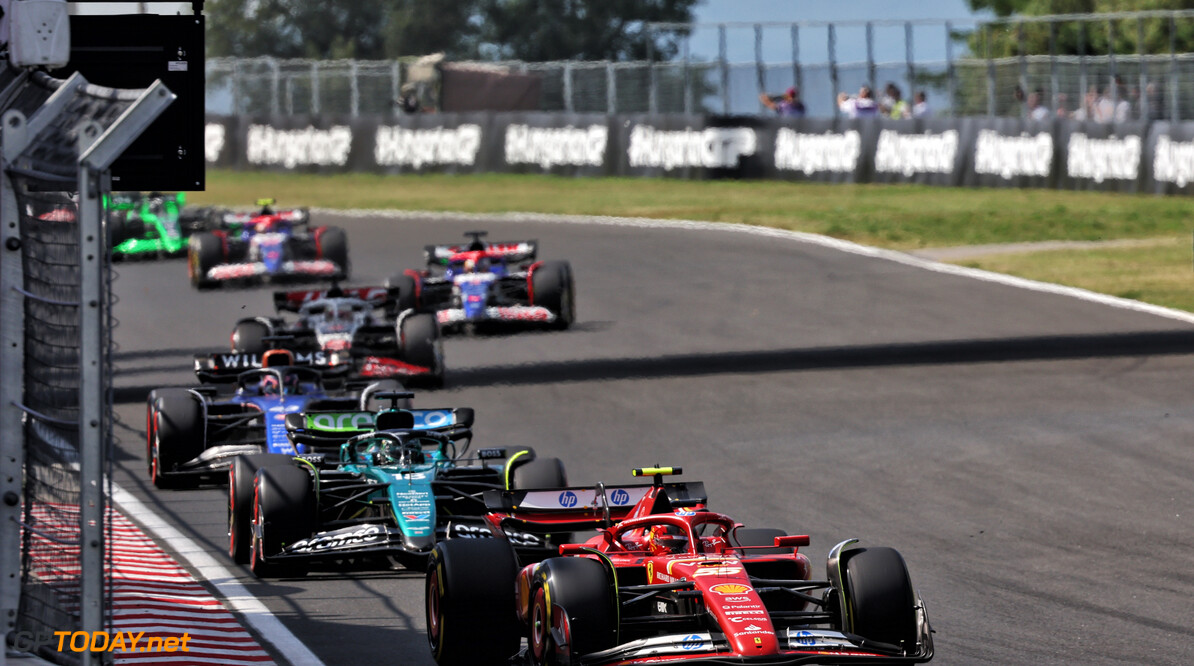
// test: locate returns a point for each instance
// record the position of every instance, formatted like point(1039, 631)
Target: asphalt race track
point(1028, 453)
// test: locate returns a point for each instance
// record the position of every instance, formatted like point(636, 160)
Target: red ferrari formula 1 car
point(664, 580)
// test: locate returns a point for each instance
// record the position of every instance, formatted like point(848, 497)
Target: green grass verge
point(893, 216)
point(1160, 273)
point(900, 217)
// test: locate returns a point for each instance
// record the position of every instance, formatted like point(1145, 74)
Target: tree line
point(529, 30)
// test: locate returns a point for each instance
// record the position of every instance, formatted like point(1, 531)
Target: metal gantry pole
point(568, 105)
point(687, 76)
point(355, 73)
point(870, 56)
point(725, 68)
point(1023, 64)
point(275, 81)
point(951, 72)
point(1054, 85)
point(831, 54)
point(611, 89)
point(315, 86)
point(1141, 73)
point(796, 71)
point(760, 74)
point(990, 73)
point(1172, 83)
point(911, 68)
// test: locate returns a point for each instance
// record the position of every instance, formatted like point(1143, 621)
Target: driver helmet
point(470, 266)
point(665, 540)
point(404, 454)
point(269, 385)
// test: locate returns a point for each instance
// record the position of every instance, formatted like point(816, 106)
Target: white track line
point(234, 593)
point(798, 236)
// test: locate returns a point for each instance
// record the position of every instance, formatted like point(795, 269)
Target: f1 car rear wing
point(293, 215)
point(293, 301)
point(224, 367)
point(511, 251)
point(326, 431)
point(584, 508)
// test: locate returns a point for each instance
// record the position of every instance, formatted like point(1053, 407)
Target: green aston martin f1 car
point(151, 225)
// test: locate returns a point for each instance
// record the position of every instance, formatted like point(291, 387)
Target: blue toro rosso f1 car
point(480, 284)
point(269, 245)
point(665, 580)
point(377, 488)
point(192, 434)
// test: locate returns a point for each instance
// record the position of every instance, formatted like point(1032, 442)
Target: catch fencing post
point(97, 153)
point(12, 365)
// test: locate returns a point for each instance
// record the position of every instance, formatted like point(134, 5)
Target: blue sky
point(928, 40)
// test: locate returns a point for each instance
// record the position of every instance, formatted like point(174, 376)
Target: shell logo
point(730, 588)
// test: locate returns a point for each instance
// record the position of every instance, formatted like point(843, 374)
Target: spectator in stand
point(862, 106)
point(1093, 108)
point(789, 105)
point(920, 105)
point(893, 104)
point(1035, 110)
point(1123, 99)
point(1063, 108)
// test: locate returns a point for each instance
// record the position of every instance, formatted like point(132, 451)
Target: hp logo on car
point(619, 497)
point(692, 642)
point(567, 499)
point(804, 638)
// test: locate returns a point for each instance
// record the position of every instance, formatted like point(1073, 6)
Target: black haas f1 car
point(479, 284)
point(361, 324)
point(269, 245)
point(193, 434)
point(664, 581)
point(376, 488)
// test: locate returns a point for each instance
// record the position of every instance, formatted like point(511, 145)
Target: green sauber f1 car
point(151, 225)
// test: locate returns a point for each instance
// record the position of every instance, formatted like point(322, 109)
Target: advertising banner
point(1169, 158)
point(1009, 152)
point(1102, 157)
point(971, 152)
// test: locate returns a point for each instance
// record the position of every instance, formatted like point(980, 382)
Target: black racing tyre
point(372, 404)
point(552, 288)
point(204, 252)
point(539, 473)
point(249, 337)
point(407, 294)
point(419, 343)
point(880, 596)
point(584, 590)
point(178, 434)
point(241, 476)
point(470, 602)
point(117, 228)
point(284, 512)
point(333, 246)
point(760, 536)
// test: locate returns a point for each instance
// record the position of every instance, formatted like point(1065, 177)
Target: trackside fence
point(1133, 156)
point(57, 141)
